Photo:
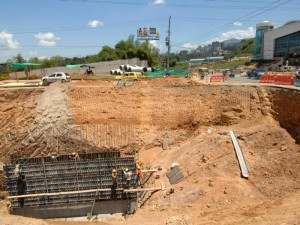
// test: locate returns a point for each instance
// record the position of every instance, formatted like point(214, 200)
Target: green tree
point(93, 58)
point(35, 60)
point(18, 59)
point(107, 54)
point(150, 53)
point(57, 61)
point(126, 49)
point(246, 47)
point(46, 63)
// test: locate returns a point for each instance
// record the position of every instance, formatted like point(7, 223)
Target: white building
point(282, 42)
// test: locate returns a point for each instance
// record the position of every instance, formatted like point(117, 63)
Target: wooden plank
point(149, 171)
point(240, 155)
point(163, 186)
point(81, 192)
point(142, 189)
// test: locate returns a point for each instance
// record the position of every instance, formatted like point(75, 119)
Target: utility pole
point(168, 40)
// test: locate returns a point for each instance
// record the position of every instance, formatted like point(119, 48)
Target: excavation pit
point(90, 117)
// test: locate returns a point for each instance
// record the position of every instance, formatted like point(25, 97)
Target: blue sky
point(77, 28)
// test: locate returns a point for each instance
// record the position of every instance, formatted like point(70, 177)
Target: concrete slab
point(121, 83)
point(78, 209)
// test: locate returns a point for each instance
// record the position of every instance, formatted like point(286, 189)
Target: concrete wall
point(77, 210)
point(270, 36)
point(100, 68)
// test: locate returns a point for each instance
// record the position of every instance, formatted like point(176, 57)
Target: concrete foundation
point(77, 210)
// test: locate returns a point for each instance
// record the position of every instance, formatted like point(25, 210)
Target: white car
point(57, 76)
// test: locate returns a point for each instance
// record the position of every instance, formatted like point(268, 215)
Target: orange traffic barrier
point(267, 79)
point(286, 80)
point(217, 78)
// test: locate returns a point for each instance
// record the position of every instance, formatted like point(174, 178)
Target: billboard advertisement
point(147, 33)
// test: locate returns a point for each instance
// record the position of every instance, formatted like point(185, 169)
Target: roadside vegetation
point(130, 48)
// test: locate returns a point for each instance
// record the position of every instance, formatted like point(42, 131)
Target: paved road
point(244, 80)
point(241, 80)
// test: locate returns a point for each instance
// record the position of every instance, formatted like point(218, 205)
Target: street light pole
point(168, 40)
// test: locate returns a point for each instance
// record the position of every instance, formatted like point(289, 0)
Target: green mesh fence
point(162, 73)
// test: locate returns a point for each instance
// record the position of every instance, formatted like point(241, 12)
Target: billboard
point(147, 33)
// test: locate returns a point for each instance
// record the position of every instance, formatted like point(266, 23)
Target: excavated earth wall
point(36, 123)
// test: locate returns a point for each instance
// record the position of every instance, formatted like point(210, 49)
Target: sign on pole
point(147, 33)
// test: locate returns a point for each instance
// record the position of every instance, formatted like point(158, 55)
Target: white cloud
point(47, 43)
point(238, 24)
point(43, 36)
point(47, 39)
point(153, 43)
point(239, 34)
point(33, 52)
point(159, 2)
point(190, 46)
point(7, 41)
point(95, 23)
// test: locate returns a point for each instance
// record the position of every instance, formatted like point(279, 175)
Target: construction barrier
point(267, 79)
point(217, 78)
point(285, 80)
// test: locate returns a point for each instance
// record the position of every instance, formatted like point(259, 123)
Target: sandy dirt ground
point(195, 119)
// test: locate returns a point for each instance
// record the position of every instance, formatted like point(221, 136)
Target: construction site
point(67, 139)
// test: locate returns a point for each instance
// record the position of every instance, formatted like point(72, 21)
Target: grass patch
point(4, 76)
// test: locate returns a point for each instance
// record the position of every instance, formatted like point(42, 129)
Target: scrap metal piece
point(175, 175)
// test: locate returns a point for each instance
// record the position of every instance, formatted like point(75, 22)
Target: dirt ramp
point(34, 120)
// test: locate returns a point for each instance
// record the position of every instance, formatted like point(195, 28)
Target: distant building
point(216, 46)
point(282, 42)
point(197, 60)
point(215, 58)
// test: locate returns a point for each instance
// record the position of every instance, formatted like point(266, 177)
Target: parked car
point(256, 73)
point(128, 76)
point(57, 76)
point(228, 72)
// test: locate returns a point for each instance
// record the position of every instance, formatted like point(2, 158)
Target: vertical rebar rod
point(45, 177)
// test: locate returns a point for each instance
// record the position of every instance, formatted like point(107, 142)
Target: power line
point(241, 19)
point(181, 5)
point(197, 19)
point(62, 29)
